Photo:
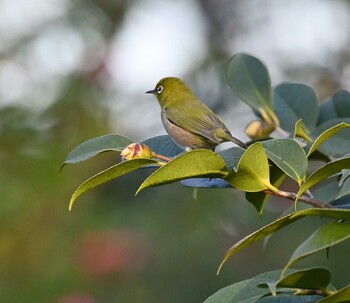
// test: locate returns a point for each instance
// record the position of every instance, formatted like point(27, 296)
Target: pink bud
point(137, 150)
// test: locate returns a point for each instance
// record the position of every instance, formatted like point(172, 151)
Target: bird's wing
point(204, 125)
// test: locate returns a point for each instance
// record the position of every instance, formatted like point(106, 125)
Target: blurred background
point(71, 70)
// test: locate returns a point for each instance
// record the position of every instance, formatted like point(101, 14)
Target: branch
point(160, 157)
point(306, 199)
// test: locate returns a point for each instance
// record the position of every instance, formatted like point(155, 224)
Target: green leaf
point(253, 171)
point(232, 157)
point(323, 173)
point(327, 191)
point(290, 299)
point(289, 156)
point(326, 236)
point(109, 174)
point(331, 190)
point(330, 132)
point(92, 147)
point(341, 139)
point(311, 278)
point(295, 101)
point(337, 107)
point(247, 291)
point(195, 163)
point(343, 295)
point(345, 173)
point(250, 80)
point(281, 223)
point(163, 145)
point(300, 132)
point(258, 199)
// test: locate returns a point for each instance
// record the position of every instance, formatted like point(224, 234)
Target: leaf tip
point(139, 189)
point(71, 202)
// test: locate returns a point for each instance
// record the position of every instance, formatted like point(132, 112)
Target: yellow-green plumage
point(189, 122)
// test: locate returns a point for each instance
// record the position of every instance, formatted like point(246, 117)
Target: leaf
point(247, 291)
point(289, 156)
point(324, 237)
point(332, 190)
point(163, 145)
point(109, 174)
point(205, 183)
point(290, 299)
point(279, 224)
point(250, 80)
point(341, 139)
point(311, 278)
point(323, 173)
point(231, 157)
point(258, 199)
point(328, 191)
point(92, 147)
point(345, 175)
point(342, 295)
point(295, 101)
point(337, 107)
point(326, 135)
point(253, 171)
point(300, 132)
point(195, 163)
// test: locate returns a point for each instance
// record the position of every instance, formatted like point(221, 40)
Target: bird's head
point(170, 90)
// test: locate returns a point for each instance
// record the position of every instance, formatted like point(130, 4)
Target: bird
point(188, 121)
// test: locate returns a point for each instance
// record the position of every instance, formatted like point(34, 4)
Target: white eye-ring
point(159, 89)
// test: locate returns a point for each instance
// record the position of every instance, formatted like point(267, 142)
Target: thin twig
point(305, 199)
point(160, 157)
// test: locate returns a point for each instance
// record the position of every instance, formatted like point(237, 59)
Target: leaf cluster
point(293, 133)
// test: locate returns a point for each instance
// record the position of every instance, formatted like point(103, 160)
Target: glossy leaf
point(247, 291)
point(250, 80)
point(324, 237)
point(92, 147)
point(300, 132)
point(289, 156)
point(341, 139)
point(232, 157)
point(205, 183)
point(329, 190)
point(163, 145)
point(311, 278)
point(281, 223)
point(345, 174)
point(342, 295)
point(337, 107)
point(253, 173)
point(258, 199)
point(323, 173)
point(295, 101)
point(290, 299)
point(195, 163)
point(327, 134)
point(109, 174)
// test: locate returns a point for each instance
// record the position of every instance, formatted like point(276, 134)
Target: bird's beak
point(153, 91)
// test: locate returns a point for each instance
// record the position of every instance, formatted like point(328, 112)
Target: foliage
point(306, 135)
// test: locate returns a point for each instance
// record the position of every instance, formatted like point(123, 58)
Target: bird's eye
point(159, 89)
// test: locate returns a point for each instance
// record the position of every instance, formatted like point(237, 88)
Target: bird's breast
point(184, 138)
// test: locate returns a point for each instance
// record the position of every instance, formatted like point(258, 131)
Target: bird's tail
point(238, 142)
point(225, 135)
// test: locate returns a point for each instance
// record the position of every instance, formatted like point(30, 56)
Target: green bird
point(188, 121)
